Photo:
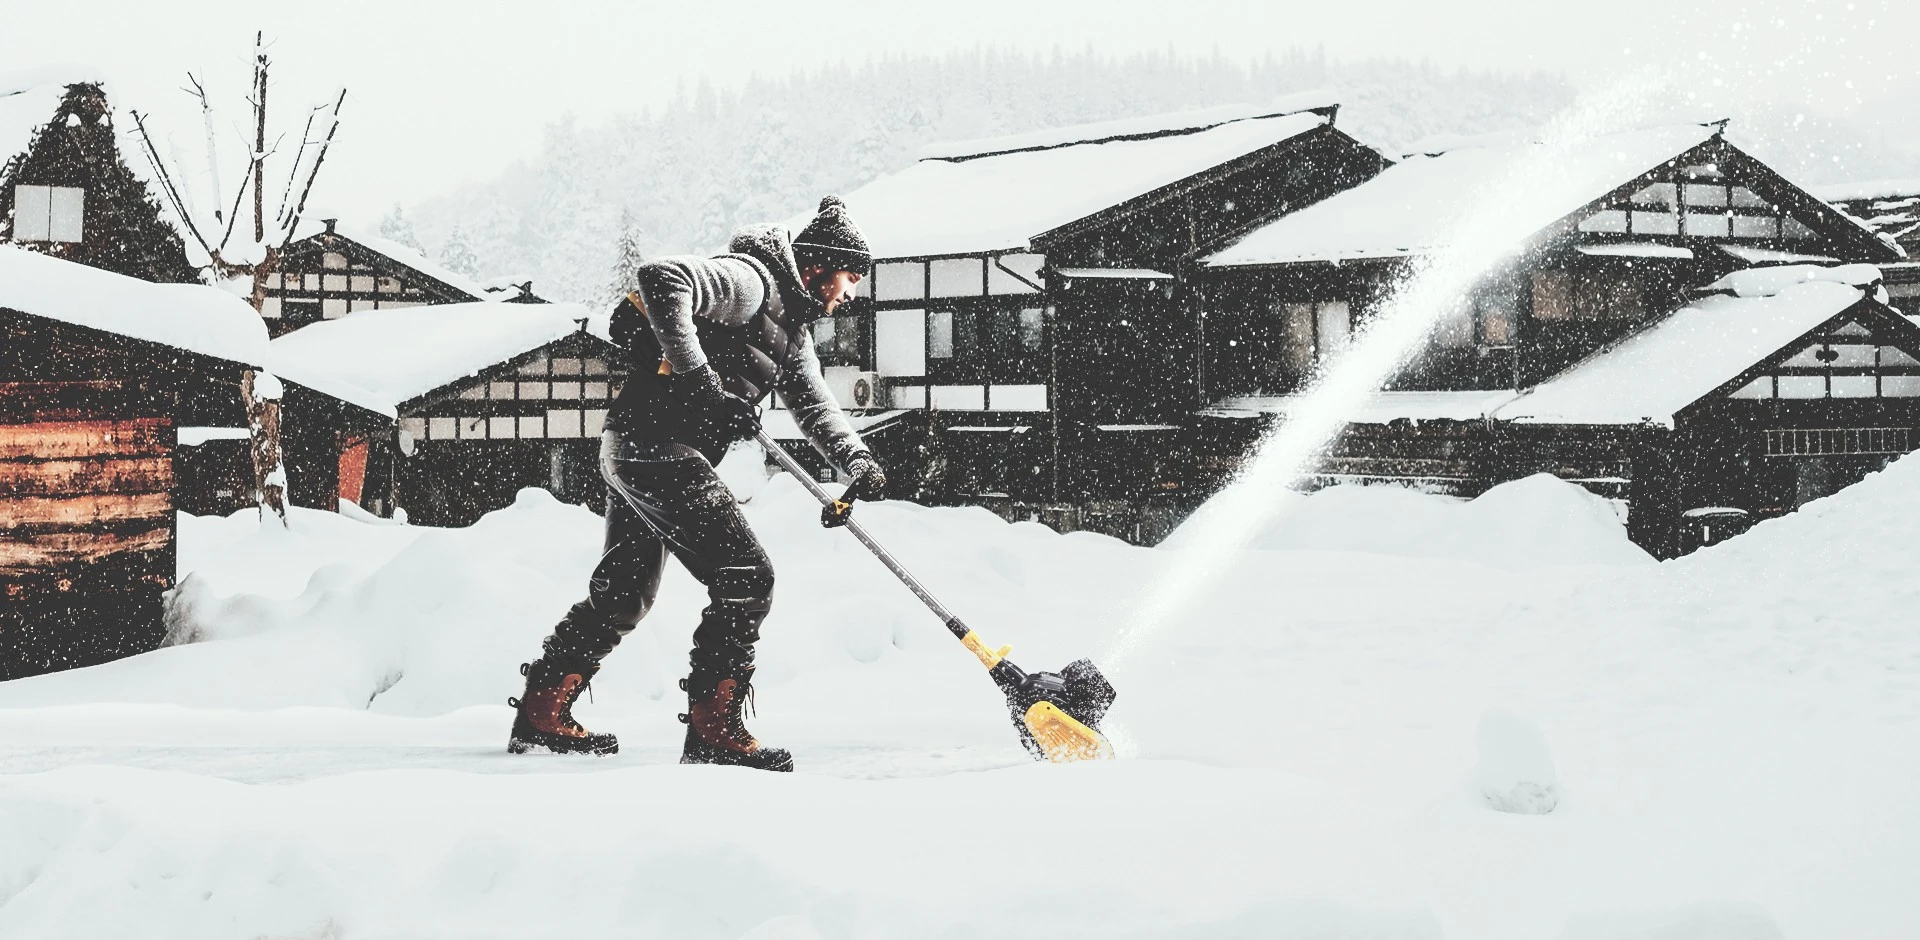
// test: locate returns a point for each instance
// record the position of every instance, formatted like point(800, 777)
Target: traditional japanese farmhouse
point(479, 400)
point(1023, 307)
point(98, 372)
point(1592, 342)
point(66, 190)
point(1892, 208)
point(331, 270)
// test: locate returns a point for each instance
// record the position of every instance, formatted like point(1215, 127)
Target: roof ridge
point(1170, 124)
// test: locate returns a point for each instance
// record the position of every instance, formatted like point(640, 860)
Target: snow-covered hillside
point(1317, 748)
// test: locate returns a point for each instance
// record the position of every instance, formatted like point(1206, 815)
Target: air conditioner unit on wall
point(853, 388)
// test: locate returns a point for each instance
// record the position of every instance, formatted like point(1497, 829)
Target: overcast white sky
point(442, 92)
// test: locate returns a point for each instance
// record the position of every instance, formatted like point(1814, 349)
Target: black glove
point(868, 482)
point(715, 409)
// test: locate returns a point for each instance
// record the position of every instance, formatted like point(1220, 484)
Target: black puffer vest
point(750, 358)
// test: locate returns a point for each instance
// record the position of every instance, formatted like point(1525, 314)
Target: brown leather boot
point(545, 718)
point(717, 731)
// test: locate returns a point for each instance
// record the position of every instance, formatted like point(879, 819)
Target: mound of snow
point(1537, 522)
point(1515, 773)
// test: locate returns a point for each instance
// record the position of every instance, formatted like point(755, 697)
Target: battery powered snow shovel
point(1057, 713)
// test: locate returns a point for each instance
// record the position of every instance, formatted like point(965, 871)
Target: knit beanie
point(832, 241)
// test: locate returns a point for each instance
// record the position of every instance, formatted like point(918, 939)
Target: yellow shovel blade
point(1062, 738)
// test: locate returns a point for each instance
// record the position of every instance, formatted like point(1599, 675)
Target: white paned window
point(270, 308)
point(960, 397)
point(1610, 220)
point(594, 366)
point(1900, 386)
point(566, 367)
point(333, 261)
point(594, 390)
point(899, 342)
point(596, 421)
point(500, 390)
point(1755, 226)
point(48, 213)
point(956, 277)
point(1019, 397)
point(569, 391)
point(1791, 228)
point(1853, 386)
point(532, 427)
point(535, 366)
point(64, 216)
point(441, 429)
point(533, 391)
point(333, 308)
point(1803, 386)
point(32, 209)
point(1335, 322)
point(910, 396)
point(473, 429)
point(899, 280)
point(1656, 223)
point(1024, 265)
point(563, 424)
point(940, 334)
point(362, 283)
point(500, 428)
point(1761, 387)
point(475, 391)
point(1702, 225)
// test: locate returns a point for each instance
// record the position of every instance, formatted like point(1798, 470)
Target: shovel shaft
point(953, 622)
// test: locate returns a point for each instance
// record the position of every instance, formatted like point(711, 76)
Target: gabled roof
point(190, 317)
point(1652, 375)
point(1001, 194)
point(452, 281)
point(1418, 205)
point(395, 356)
point(1888, 207)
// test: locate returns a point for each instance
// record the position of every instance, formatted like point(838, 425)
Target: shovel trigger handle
point(988, 657)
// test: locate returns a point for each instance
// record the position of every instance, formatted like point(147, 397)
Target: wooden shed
point(97, 371)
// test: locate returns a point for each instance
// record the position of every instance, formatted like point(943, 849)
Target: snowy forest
point(680, 178)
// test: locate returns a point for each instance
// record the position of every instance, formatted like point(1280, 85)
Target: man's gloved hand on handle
point(724, 412)
point(868, 482)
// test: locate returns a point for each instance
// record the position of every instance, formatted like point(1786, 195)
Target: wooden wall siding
point(86, 540)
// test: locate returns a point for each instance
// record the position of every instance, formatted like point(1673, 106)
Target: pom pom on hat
point(832, 241)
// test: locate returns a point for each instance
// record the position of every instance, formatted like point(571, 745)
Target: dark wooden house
point(66, 190)
point(1891, 208)
point(445, 412)
point(1610, 257)
point(333, 270)
point(97, 373)
point(1024, 308)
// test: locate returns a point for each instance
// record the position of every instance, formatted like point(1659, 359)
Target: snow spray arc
point(1493, 232)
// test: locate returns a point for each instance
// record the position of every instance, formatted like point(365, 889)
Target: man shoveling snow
point(707, 339)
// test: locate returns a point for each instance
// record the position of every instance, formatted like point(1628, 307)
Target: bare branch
point(166, 182)
point(280, 213)
point(213, 156)
point(293, 221)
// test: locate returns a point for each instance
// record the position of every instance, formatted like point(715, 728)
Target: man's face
point(831, 288)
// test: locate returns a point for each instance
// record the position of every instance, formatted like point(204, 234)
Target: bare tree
point(231, 255)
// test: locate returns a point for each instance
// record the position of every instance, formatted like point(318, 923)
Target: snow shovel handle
point(953, 622)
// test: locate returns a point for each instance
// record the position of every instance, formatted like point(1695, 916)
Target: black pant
point(663, 497)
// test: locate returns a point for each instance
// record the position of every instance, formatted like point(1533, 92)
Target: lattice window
point(1817, 442)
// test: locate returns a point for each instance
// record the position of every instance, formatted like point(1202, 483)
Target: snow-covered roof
point(1650, 376)
point(1870, 189)
point(472, 287)
point(394, 356)
point(1635, 250)
point(997, 195)
point(192, 317)
point(1418, 205)
point(1379, 408)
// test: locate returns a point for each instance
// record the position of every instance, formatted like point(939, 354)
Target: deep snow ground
point(1733, 735)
